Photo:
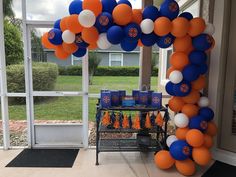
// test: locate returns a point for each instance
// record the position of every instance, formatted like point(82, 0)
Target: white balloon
point(203, 102)
point(210, 29)
point(147, 26)
point(176, 77)
point(170, 140)
point(68, 37)
point(102, 42)
point(181, 120)
point(87, 18)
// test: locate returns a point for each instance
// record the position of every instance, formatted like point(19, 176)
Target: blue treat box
point(115, 98)
point(150, 97)
point(135, 95)
point(143, 98)
point(106, 99)
point(122, 94)
point(156, 100)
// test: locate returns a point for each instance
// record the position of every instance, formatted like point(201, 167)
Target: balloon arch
point(99, 24)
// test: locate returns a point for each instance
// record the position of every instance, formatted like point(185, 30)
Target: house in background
point(113, 56)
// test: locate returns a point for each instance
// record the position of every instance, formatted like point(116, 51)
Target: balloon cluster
point(193, 119)
point(101, 23)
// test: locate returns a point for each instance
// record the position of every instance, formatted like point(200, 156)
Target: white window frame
point(122, 58)
point(163, 65)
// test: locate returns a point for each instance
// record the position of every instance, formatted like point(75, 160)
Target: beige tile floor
point(111, 165)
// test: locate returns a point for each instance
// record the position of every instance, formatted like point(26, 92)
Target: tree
point(13, 44)
point(94, 61)
point(7, 8)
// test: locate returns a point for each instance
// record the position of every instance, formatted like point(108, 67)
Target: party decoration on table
point(137, 122)
point(102, 23)
point(159, 120)
point(116, 124)
point(106, 120)
point(148, 123)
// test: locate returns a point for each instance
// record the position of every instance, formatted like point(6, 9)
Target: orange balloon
point(190, 49)
point(195, 138)
point(197, 26)
point(69, 48)
point(181, 133)
point(192, 98)
point(140, 44)
point(176, 104)
point(61, 53)
point(162, 26)
point(208, 141)
point(93, 46)
point(137, 16)
point(170, 69)
point(201, 156)
point(63, 23)
point(190, 110)
point(73, 24)
point(163, 160)
point(122, 14)
point(46, 43)
point(94, 5)
point(185, 167)
point(211, 128)
point(200, 83)
point(90, 35)
point(179, 60)
point(182, 44)
point(180, 27)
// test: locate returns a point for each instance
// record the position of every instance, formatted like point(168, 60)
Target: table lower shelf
point(112, 145)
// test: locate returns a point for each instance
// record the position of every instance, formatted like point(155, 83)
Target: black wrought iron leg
point(166, 126)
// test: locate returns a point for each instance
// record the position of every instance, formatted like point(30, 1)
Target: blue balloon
point(198, 122)
point(170, 88)
point(75, 7)
point(54, 36)
point(165, 41)
point(197, 57)
point(182, 89)
point(169, 9)
point(128, 46)
point(57, 24)
point(202, 42)
point(115, 34)
point(207, 113)
point(132, 32)
point(190, 73)
point(80, 52)
point(149, 39)
point(151, 12)
point(108, 5)
point(186, 15)
point(202, 69)
point(103, 22)
point(180, 150)
point(125, 2)
point(80, 42)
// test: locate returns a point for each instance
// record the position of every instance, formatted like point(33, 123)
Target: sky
point(50, 10)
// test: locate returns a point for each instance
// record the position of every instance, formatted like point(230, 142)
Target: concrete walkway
point(111, 165)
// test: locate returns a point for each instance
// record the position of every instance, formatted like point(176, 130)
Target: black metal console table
point(129, 144)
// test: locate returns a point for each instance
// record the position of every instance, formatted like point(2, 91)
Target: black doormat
point(220, 169)
point(54, 158)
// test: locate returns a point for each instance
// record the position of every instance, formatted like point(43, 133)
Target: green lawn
point(70, 108)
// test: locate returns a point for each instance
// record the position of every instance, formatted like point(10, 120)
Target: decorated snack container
point(122, 94)
point(135, 94)
point(150, 97)
point(105, 99)
point(156, 100)
point(115, 98)
point(143, 98)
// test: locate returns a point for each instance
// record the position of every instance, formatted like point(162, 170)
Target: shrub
point(44, 78)
point(105, 71)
